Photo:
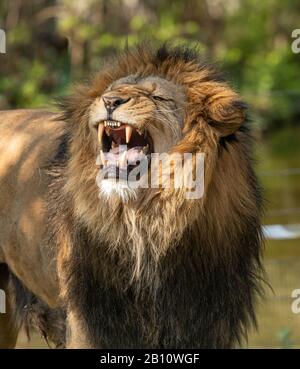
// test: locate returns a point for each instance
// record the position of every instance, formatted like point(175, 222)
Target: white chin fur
point(120, 188)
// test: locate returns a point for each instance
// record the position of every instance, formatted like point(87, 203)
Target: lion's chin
point(120, 189)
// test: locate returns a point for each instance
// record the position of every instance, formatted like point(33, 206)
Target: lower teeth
point(119, 156)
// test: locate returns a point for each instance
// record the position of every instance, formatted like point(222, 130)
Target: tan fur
point(28, 140)
point(127, 243)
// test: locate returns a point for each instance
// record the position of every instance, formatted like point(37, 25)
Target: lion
point(93, 261)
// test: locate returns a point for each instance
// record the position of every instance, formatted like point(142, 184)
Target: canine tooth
point(107, 130)
point(146, 149)
point(123, 160)
point(128, 133)
point(102, 156)
point(113, 145)
point(98, 161)
point(105, 123)
point(100, 132)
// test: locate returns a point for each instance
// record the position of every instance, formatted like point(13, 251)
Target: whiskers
point(168, 110)
point(170, 124)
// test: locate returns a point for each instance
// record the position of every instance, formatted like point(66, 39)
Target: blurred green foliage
point(53, 42)
point(284, 336)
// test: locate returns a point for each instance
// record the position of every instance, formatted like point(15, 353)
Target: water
point(278, 326)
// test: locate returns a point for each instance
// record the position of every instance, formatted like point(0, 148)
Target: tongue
point(120, 155)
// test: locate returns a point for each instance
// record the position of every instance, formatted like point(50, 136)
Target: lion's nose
point(112, 102)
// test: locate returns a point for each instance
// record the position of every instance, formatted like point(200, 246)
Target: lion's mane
point(163, 272)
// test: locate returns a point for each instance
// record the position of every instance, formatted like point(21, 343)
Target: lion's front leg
point(8, 326)
point(8, 331)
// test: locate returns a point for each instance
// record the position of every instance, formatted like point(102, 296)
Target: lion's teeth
point(103, 159)
point(123, 160)
point(146, 149)
point(129, 130)
point(100, 132)
point(112, 124)
point(107, 130)
point(98, 161)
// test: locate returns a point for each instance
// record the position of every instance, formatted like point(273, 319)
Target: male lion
point(94, 262)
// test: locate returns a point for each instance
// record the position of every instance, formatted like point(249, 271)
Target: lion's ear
point(226, 111)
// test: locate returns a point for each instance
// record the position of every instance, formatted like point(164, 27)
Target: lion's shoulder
point(28, 135)
point(29, 141)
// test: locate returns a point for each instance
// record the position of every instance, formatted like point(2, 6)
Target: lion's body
point(28, 141)
point(162, 272)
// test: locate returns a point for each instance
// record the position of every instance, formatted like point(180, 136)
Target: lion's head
point(150, 102)
point(135, 117)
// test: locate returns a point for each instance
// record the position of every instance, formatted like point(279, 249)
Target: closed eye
point(160, 98)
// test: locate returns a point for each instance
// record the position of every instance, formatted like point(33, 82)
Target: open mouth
point(122, 147)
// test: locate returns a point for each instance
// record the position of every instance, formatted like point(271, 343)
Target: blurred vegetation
point(53, 42)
